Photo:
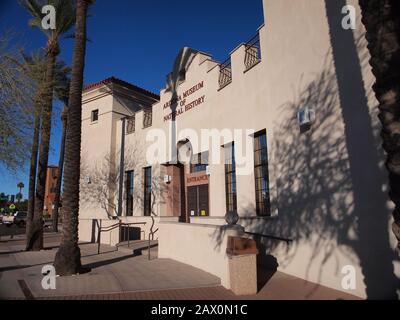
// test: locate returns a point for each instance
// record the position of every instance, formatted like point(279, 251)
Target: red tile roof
point(122, 83)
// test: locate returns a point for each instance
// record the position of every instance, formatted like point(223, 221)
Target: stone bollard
point(242, 255)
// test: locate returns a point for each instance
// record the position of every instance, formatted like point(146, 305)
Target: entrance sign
point(195, 180)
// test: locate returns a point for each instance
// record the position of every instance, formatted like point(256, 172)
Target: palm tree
point(68, 257)
point(60, 166)
point(33, 66)
point(20, 186)
point(381, 19)
point(64, 21)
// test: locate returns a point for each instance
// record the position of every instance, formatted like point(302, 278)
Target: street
point(10, 231)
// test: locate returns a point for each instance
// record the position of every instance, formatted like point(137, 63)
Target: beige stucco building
point(316, 191)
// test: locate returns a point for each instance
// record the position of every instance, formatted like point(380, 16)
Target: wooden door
point(197, 201)
point(192, 201)
point(203, 205)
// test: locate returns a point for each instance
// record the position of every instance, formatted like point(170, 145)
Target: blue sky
point(137, 41)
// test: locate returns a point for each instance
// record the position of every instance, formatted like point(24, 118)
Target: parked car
point(18, 218)
point(8, 219)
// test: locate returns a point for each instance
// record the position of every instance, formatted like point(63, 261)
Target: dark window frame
point(147, 117)
point(130, 188)
point(261, 175)
point(130, 124)
point(230, 178)
point(147, 177)
point(94, 115)
point(199, 162)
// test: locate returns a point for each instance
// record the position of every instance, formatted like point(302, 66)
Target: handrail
point(129, 224)
point(288, 241)
point(252, 52)
point(225, 73)
point(112, 227)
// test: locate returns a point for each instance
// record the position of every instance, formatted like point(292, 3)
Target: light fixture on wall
point(305, 118)
point(88, 180)
point(167, 178)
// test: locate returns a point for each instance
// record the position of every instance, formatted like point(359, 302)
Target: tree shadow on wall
point(373, 217)
point(330, 185)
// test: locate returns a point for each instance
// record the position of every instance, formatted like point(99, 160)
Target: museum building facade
point(272, 133)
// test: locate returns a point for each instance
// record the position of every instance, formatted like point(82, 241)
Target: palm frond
point(65, 15)
point(34, 66)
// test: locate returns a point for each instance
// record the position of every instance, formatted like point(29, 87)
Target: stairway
point(139, 248)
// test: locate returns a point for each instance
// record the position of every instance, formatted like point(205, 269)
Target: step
point(138, 247)
point(153, 252)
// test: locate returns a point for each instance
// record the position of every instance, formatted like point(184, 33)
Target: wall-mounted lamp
point(167, 178)
point(305, 118)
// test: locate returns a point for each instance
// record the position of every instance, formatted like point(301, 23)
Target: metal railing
point(288, 241)
point(252, 52)
point(119, 225)
point(225, 73)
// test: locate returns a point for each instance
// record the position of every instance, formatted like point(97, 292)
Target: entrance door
point(197, 199)
point(203, 200)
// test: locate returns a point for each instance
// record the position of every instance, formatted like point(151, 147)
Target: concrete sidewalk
point(119, 275)
point(111, 272)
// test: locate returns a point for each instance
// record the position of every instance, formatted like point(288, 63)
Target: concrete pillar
point(242, 263)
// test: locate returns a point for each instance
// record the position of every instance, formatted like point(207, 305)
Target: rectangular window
point(230, 178)
point(147, 191)
point(95, 115)
point(261, 174)
point(130, 124)
point(147, 117)
point(129, 192)
point(199, 162)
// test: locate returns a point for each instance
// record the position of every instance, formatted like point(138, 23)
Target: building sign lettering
point(197, 179)
point(179, 105)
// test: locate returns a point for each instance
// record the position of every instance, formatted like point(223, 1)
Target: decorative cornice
point(121, 83)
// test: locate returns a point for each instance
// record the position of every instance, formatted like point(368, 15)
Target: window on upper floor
point(147, 117)
point(130, 124)
point(95, 115)
point(199, 162)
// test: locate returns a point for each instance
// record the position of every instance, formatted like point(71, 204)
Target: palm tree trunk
point(36, 241)
point(32, 175)
point(60, 166)
point(381, 19)
point(68, 257)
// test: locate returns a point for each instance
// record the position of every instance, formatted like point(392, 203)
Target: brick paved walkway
point(218, 293)
point(121, 276)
